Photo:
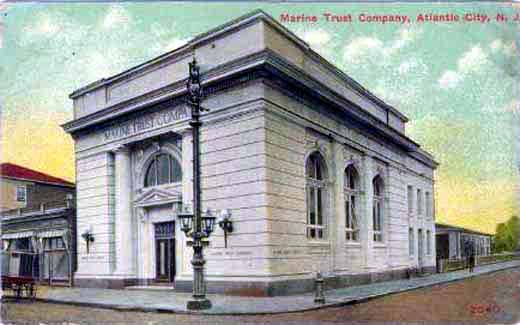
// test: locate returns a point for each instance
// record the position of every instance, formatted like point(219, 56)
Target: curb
point(337, 303)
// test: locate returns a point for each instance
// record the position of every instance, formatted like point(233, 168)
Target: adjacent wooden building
point(38, 225)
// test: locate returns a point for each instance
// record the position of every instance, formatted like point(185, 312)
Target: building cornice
point(267, 65)
point(174, 91)
point(229, 27)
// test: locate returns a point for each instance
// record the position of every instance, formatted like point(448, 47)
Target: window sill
point(379, 245)
point(352, 244)
point(315, 242)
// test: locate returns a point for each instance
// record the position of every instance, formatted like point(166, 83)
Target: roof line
point(230, 25)
point(41, 182)
point(462, 228)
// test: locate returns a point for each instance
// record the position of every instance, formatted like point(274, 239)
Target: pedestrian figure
point(468, 249)
point(470, 255)
point(471, 259)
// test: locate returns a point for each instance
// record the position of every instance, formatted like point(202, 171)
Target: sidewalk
point(170, 301)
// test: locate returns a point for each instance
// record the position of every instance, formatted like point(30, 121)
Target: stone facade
point(273, 102)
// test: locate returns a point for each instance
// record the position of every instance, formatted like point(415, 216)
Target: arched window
point(315, 172)
point(163, 169)
point(377, 208)
point(351, 188)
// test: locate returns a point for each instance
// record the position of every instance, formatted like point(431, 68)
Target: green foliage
point(507, 235)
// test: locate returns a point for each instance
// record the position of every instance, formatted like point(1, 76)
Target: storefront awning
point(51, 233)
point(17, 235)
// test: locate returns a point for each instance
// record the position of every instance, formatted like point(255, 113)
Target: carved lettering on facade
point(146, 122)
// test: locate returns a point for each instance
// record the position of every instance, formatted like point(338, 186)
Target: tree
point(513, 227)
point(500, 241)
point(507, 235)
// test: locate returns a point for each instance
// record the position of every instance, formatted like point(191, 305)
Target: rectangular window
point(419, 202)
point(410, 199)
point(21, 193)
point(315, 229)
point(351, 231)
point(54, 243)
point(428, 242)
point(411, 243)
point(428, 205)
point(377, 215)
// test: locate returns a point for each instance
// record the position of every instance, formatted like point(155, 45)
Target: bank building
point(316, 171)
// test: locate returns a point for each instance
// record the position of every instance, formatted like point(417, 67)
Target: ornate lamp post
point(194, 225)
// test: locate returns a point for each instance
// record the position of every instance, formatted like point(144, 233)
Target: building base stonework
point(105, 283)
point(259, 288)
point(289, 287)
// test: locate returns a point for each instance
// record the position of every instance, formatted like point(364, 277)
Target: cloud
point(362, 48)
point(473, 60)
point(43, 27)
point(449, 79)
point(399, 94)
point(412, 65)
point(388, 61)
point(496, 45)
point(165, 38)
point(513, 106)
point(507, 49)
point(372, 49)
point(510, 49)
point(117, 16)
point(318, 39)
point(3, 8)
point(405, 37)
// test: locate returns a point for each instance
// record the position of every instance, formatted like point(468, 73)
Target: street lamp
point(226, 224)
point(208, 222)
point(194, 226)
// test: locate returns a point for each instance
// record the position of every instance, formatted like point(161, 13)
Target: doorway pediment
point(157, 196)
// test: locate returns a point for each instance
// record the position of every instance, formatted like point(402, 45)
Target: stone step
point(159, 287)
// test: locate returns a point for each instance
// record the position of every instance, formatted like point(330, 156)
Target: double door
point(165, 251)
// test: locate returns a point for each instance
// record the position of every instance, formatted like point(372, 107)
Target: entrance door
point(420, 247)
point(443, 246)
point(165, 251)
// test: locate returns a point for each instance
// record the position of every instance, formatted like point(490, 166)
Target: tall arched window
point(377, 208)
point(163, 169)
point(315, 172)
point(351, 188)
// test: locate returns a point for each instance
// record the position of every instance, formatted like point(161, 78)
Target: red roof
point(18, 172)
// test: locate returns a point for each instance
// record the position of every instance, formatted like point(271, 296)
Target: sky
point(456, 81)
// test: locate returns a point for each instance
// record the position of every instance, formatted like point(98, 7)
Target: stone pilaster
point(336, 205)
point(366, 226)
point(124, 230)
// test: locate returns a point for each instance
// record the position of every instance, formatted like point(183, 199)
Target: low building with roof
point(38, 224)
point(451, 241)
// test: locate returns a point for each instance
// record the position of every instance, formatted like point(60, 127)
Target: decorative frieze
point(146, 122)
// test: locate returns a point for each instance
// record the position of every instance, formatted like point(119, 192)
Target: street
point(486, 299)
